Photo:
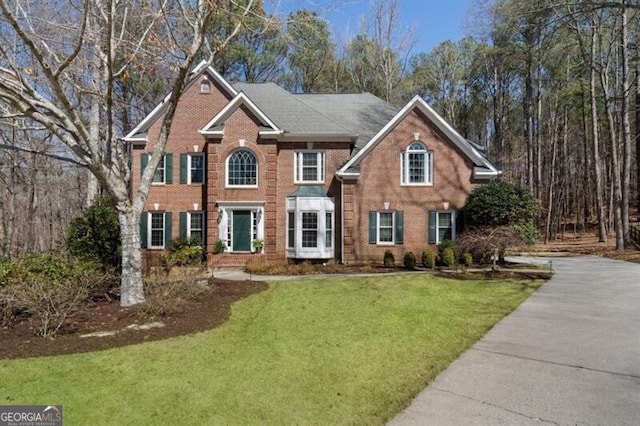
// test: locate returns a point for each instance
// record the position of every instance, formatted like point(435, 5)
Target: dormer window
point(205, 86)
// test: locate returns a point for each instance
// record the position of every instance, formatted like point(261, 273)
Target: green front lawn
point(314, 351)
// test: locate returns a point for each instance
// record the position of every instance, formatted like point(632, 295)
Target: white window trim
point(201, 227)
point(328, 228)
point(453, 224)
point(321, 206)
point(189, 168)
point(164, 172)
point(297, 166)
point(150, 229)
point(404, 166)
point(303, 229)
point(393, 228)
point(291, 226)
point(226, 171)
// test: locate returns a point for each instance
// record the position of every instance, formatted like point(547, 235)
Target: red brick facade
point(377, 188)
point(380, 183)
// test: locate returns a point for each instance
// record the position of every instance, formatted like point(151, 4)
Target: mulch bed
point(210, 310)
point(214, 307)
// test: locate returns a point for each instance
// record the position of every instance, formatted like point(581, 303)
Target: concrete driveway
point(569, 355)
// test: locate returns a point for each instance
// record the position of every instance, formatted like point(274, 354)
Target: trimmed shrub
point(499, 204)
point(448, 257)
point(467, 259)
point(409, 260)
point(389, 261)
point(447, 244)
point(184, 252)
point(428, 259)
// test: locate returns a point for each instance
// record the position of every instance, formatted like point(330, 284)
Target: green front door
point(241, 230)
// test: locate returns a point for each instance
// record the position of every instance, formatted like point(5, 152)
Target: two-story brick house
point(331, 176)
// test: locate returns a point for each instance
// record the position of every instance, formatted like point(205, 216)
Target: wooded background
point(549, 88)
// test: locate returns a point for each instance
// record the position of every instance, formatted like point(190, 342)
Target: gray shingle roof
point(363, 113)
point(355, 115)
point(309, 191)
point(289, 113)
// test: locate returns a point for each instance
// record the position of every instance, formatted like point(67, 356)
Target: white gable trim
point(134, 135)
point(230, 108)
point(417, 102)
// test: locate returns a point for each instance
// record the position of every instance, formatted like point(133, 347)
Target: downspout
point(341, 218)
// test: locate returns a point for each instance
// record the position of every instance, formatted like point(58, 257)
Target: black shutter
point(168, 165)
point(144, 160)
point(433, 230)
point(459, 221)
point(183, 224)
point(399, 227)
point(143, 230)
point(167, 230)
point(373, 227)
point(183, 168)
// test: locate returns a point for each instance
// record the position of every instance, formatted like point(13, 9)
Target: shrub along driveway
point(569, 355)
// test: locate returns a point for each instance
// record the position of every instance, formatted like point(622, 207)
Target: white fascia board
point(146, 122)
point(380, 135)
point(211, 132)
point(221, 80)
point(247, 204)
point(159, 109)
point(275, 133)
point(342, 175)
point(417, 102)
point(240, 99)
point(480, 173)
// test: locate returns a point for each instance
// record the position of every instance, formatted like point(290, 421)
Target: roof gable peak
point(138, 134)
point(213, 127)
point(486, 169)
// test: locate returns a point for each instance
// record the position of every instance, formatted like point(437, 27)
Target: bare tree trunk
point(587, 167)
point(528, 127)
point(52, 90)
point(551, 184)
point(616, 190)
point(597, 167)
point(131, 278)
point(637, 134)
point(626, 130)
point(3, 232)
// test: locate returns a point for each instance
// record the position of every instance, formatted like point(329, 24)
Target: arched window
point(242, 169)
point(417, 165)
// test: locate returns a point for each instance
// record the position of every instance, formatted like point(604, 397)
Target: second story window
point(242, 169)
point(164, 172)
point(192, 168)
point(159, 177)
point(196, 168)
point(417, 165)
point(309, 167)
